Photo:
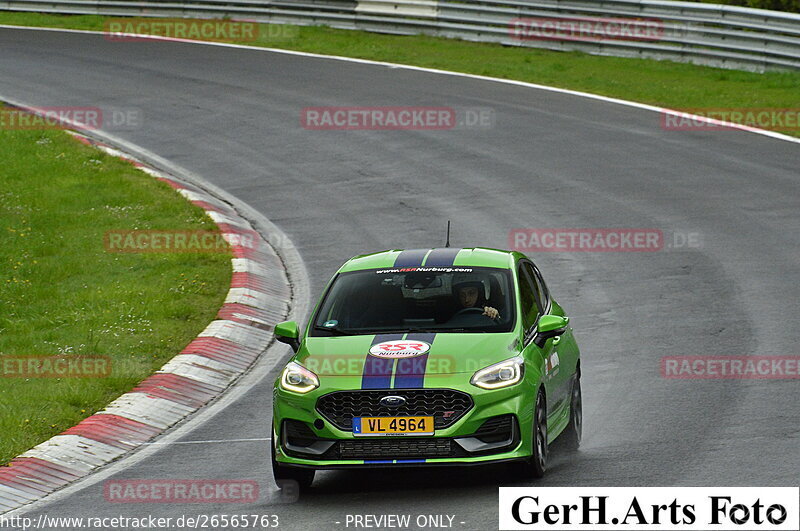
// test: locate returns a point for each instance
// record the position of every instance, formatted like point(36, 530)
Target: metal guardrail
point(709, 34)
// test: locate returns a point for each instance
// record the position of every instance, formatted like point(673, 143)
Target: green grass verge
point(62, 293)
point(663, 83)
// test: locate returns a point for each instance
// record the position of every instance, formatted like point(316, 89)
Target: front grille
point(395, 448)
point(445, 405)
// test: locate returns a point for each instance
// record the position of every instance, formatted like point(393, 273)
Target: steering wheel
point(471, 309)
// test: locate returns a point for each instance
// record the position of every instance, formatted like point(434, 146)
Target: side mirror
point(549, 326)
point(287, 332)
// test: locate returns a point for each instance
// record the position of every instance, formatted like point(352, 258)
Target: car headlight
point(500, 375)
point(298, 379)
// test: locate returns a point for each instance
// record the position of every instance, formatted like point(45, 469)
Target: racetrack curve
point(551, 160)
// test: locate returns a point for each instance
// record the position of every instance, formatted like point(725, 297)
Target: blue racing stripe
point(443, 256)
point(378, 462)
point(410, 373)
point(410, 258)
point(378, 371)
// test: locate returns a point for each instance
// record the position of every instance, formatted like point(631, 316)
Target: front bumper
point(303, 437)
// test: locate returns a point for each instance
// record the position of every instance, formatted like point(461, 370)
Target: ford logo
point(393, 401)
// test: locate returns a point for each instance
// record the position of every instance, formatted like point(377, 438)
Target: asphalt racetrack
point(548, 159)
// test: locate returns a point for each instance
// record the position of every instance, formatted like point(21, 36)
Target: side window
point(528, 298)
point(545, 291)
point(540, 290)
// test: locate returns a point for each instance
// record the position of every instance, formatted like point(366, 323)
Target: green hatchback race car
point(428, 357)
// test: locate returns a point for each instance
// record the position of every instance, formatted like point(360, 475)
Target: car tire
point(289, 477)
point(536, 465)
point(574, 431)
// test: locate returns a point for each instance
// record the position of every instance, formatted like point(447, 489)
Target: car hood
point(449, 353)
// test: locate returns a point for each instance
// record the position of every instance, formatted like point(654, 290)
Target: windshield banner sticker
point(425, 270)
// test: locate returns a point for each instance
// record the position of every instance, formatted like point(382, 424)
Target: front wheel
point(536, 465)
point(574, 431)
point(289, 477)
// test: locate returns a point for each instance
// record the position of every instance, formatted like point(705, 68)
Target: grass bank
point(62, 293)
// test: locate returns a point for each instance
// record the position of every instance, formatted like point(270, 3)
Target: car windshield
point(440, 299)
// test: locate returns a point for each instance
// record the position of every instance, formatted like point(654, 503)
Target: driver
point(471, 294)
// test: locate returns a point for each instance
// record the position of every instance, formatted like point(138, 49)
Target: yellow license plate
point(392, 426)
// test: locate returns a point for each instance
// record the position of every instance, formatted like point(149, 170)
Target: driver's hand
point(490, 312)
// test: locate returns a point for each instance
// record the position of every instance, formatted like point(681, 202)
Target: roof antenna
point(447, 244)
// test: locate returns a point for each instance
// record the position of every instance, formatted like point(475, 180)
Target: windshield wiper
point(405, 331)
point(428, 331)
point(460, 330)
point(335, 330)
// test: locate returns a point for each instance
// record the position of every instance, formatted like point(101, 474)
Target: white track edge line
point(589, 95)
